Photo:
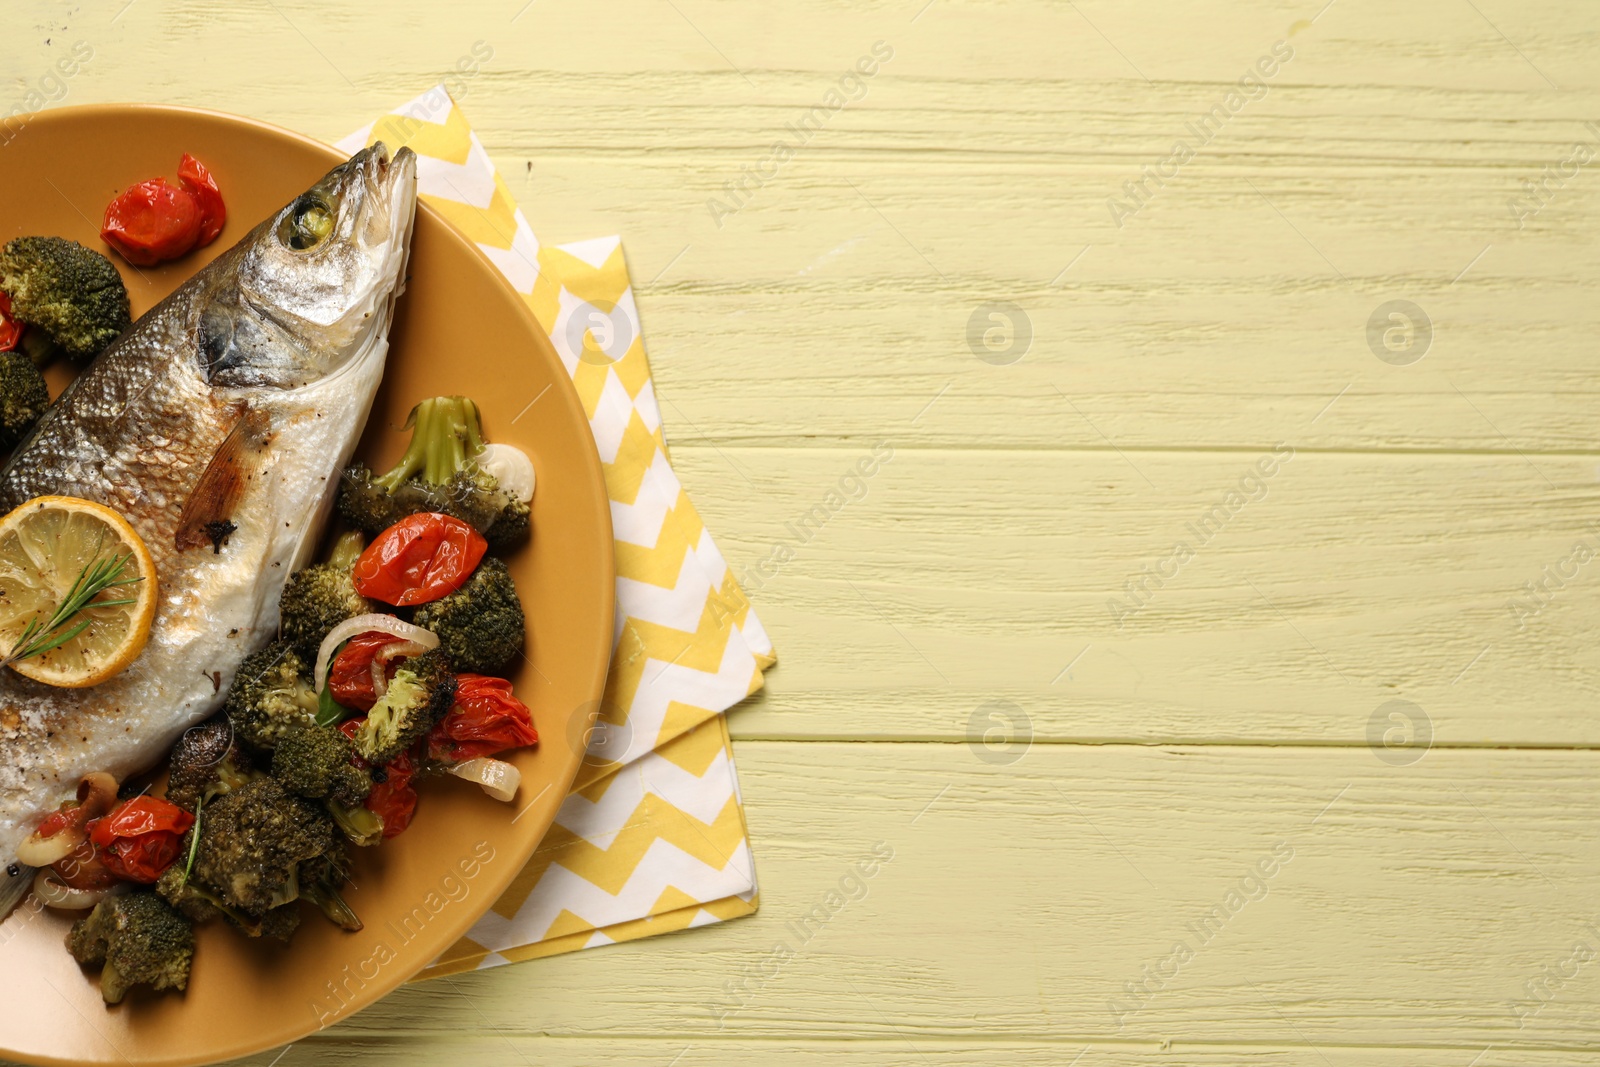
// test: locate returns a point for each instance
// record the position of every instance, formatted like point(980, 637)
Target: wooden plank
point(516, 1050)
point(1020, 898)
point(1230, 312)
point(1226, 317)
point(962, 578)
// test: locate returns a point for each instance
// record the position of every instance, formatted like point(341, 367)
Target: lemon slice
point(46, 547)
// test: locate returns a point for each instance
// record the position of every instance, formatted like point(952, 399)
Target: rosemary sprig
point(44, 636)
point(194, 841)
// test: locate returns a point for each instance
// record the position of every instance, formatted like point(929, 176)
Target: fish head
point(312, 288)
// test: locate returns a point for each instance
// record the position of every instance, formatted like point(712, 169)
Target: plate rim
point(594, 472)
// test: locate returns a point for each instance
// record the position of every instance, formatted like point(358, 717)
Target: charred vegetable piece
point(138, 940)
point(261, 848)
point(271, 693)
point(207, 762)
point(322, 596)
point(23, 398)
point(481, 626)
point(71, 297)
point(314, 762)
point(419, 695)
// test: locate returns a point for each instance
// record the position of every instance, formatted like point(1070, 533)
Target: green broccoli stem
point(446, 435)
point(113, 986)
point(347, 549)
point(331, 904)
point(361, 825)
point(39, 348)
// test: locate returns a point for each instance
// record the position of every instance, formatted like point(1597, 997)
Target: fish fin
point(207, 516)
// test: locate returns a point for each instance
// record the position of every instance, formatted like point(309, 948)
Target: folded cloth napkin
point(652, 838)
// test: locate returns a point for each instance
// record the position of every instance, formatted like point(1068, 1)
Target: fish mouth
point(395, 179)
point(389, 192)
point(392, 180)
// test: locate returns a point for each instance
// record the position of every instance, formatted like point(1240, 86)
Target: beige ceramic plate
point(460, 329)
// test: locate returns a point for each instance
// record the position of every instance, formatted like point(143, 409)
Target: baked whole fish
point(217, 425)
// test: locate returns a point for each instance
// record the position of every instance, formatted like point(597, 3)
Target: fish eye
point(308, 223)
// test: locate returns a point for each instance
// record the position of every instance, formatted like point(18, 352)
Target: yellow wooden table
point(1215, 650)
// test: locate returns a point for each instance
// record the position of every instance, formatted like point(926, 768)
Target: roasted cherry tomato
point(139, 839)
point(350, 675)
point(419, 559)
point(486, 720)
point(392, 800)
point(84, 868)
point(203, 187)
point(10, 328)
point(152, 222)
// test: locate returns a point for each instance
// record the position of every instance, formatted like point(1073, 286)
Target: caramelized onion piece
point(57, 895)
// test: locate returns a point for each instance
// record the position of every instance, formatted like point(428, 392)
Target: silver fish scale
point(135, 433)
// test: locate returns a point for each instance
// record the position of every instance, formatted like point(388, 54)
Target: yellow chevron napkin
point(652, 838)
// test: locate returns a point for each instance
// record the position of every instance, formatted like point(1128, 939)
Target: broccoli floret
point(364, 504)
point(71, 296)
point(281, 923)
point(439, 472)
point(421, 693)
point(314, 762)
point(360, 824)
point(23, 398)
point(262, 847)
point(321, 597)
point(138, 940)
point(206, 763)
point(481, 626)
point(201, 905)
point(271, 692)
point(186, 896)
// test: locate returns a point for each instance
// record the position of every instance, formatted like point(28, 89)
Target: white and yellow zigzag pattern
point(653, 837)
point(656, 847)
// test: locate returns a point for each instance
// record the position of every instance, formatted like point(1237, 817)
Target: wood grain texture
point(1021, 898)
point(958, 613)
point(1308, 600)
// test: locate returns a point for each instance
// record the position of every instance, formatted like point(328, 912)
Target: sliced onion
point(511, 467)
point(387, 655)
point(96, 794)
point(365, 624)
point(497, 777)
point(39, 851)
point(57, 895)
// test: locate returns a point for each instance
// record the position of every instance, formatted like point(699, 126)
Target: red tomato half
point(10, 329)
point(392, 800)
point(419, 559)
point(203, 187)
point(486, 720)
point(139, 839)
point(152, 222)
point(350, 675)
